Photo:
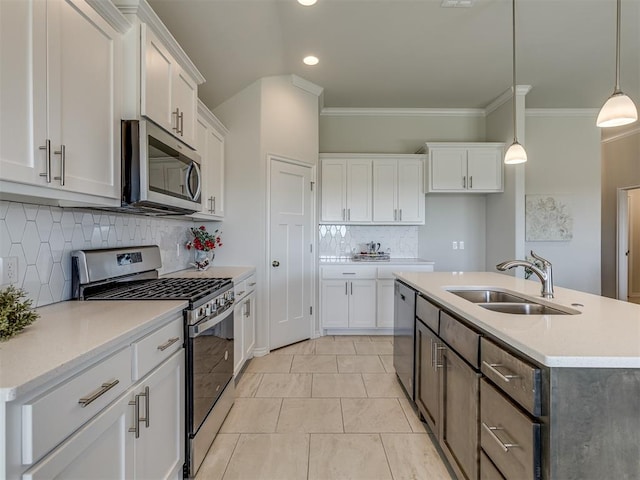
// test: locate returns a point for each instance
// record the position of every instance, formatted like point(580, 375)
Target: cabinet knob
point(275, 263)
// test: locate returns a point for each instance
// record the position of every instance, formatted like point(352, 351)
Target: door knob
point(275, 263)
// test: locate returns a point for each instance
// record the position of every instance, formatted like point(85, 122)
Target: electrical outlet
point(9, 270)
point(461, 244)
point(454, 245)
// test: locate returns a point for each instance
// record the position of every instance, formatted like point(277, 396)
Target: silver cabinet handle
point(503, 376)
point(181, 118)
point(348, 273)
point(252, 284)
point(471, 181)
point(491, 430)
point(247, 308)
point(349, 214)
point(400, 214)
point(168, 343)
point(214, 205)
point(239, 294)
point(439, 348)
point(47, 163)
point(210, 204)
point(104, 388)
point(146, 407)
point(464, 182)
point(346, 288)
point(63, 160)
point(351, 288)
point(177, 114)
point(343, 214)
point(433, 352)
point(136, 404)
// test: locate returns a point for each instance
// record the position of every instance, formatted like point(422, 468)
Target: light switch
point(461, 243)
point(454, 245)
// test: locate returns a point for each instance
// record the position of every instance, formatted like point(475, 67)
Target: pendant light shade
point(516, 152)
point(619, 109)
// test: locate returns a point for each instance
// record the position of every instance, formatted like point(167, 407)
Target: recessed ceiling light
point(310, 60)
point(307, 3)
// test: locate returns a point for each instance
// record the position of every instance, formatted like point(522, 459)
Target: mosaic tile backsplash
point(43, 237)
point(341, 240)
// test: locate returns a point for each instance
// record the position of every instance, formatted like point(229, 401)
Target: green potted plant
point(15, 313)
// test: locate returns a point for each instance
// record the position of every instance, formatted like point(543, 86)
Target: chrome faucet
point(545, 276)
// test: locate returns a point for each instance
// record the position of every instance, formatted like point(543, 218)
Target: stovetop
point(192, 289)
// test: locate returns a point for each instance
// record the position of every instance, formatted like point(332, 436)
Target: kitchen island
point(584, 368)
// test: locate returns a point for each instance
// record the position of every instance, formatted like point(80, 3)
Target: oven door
point(209, 366)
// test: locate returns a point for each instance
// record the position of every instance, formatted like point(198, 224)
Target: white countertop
point(235, 273)
point(605, 335)
point(69, 334)
point(347, 260)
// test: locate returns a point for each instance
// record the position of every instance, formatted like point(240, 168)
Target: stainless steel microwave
point(160, 174)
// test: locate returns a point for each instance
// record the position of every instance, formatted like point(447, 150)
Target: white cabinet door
point(484, 169)
point(359, 191)
point(62, 86)
point(362, 303)
point(103, 448)
point(85, 85)
point(249, 325)
point(185, 98)
point(385, 191)
point(410, 191)
point(448, 169)
point(159, 449)
point(238, 338)
point(334, 191)
point(157, 76)
point(334, 298)
point(384, 316)
point(210, 145)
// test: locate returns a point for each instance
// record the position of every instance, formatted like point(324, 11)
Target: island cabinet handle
point(168, 343)
point(491, 430)
point(503, 376)
point(252, 284)
point(104, 388)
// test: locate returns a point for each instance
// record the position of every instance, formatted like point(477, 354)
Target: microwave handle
point(190, 171)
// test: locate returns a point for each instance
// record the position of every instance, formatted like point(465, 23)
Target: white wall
point(564, 161)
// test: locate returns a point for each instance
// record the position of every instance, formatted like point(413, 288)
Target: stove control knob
point(207, 309)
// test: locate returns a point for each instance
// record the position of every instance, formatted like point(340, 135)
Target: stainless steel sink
point(488, 296)
point(523, 309)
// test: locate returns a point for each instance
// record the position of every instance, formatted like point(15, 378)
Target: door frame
point(271, 157)
point(622, 243)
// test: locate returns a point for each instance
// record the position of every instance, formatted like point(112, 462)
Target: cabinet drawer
point(508, 436)
point(244, 287)
point(153, 349)
point(517, 378)
point(464, 340)
point(488, 470)
point(51, 417)
point(345, 273)
point(250, 284)
point(428, 313)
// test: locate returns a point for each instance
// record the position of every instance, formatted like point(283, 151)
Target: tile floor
point(323, 409)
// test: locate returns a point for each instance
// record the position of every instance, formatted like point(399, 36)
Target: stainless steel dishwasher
point(404, 316)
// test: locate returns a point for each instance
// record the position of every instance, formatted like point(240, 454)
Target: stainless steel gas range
point(131, 273)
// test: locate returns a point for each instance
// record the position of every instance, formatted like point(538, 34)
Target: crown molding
point(306, 85)
point(143, 11)
point(505, 96)
point(211, 118)
point(561, 112)
point(111, 14)
point(402, 112)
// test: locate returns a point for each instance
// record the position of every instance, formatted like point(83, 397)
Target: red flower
point(203, 240)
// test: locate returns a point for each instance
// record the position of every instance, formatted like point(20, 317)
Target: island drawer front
point(349, 272)
point(53, 416)
point(488, 470)
point(428, 313)
point(508, 436)
point(465, 341)
point(156, 347)
point(517, 378)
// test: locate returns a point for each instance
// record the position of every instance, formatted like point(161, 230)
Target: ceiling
point(412, 53)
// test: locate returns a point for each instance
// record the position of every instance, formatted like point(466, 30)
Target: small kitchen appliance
point(131, 273)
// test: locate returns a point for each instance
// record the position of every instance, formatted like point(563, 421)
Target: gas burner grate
point(164, 289)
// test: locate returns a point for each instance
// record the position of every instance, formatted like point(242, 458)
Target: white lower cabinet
point(360, 297)
point(244, 321)
point(249, 324)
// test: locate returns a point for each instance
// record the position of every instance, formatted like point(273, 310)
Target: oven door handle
point(197, 329)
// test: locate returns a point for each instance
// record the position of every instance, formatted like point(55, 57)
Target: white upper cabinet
point(346, 190)
point(210, 133)
point(162, 82)
point(61, 100)
point(169, 96)
point(465, 167)
point(398, 194)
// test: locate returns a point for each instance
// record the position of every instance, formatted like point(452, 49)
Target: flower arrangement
point(203, 240)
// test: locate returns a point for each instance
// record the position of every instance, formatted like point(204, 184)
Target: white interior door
point(633, 257)
point(291, 265)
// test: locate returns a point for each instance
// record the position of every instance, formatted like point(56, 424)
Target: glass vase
point(202, 259)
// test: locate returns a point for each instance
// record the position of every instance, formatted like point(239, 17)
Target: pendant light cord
point(617, 89)
point(515, 133)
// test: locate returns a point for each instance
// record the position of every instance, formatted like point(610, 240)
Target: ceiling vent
point(457, 3)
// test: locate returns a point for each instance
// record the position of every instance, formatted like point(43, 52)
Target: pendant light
point(619, 109)
point(515, 153)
